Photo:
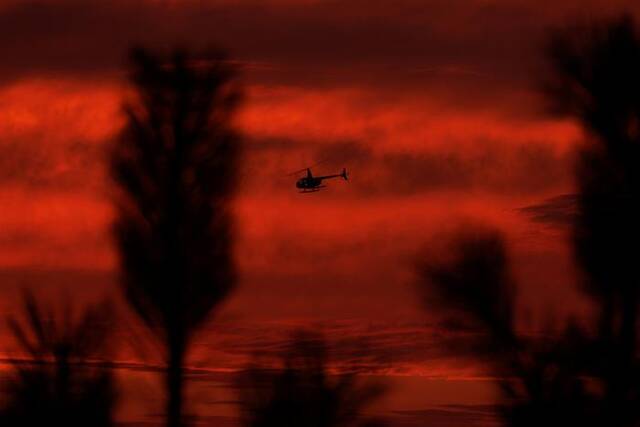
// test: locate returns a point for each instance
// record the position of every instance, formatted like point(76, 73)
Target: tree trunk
point(175, 383)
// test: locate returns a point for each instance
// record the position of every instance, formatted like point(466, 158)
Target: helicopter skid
point(312, 190)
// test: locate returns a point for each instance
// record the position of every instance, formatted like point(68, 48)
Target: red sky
point(431, 105)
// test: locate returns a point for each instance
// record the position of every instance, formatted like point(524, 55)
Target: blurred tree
point(58, 384)
point(585, 376)
point(175, 165)
point(595, 80)
point(303, 393)
point(540, 378)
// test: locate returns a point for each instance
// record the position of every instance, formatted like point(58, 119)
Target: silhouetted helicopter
point(310, 183)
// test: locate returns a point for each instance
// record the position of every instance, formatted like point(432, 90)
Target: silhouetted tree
point(303, 392)
point(475, 283)
point(540, 378)
point(584, 376)
point(58, 384)
point(175, 165)
point(596, 81)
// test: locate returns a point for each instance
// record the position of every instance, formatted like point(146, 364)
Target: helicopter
point(311, 184)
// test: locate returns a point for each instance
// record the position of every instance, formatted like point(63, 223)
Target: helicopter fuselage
point(314, 183)
point(307, 183)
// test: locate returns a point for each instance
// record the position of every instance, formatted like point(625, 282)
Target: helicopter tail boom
point(342, 175)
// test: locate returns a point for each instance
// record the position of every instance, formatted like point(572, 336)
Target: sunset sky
point(433, 107)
